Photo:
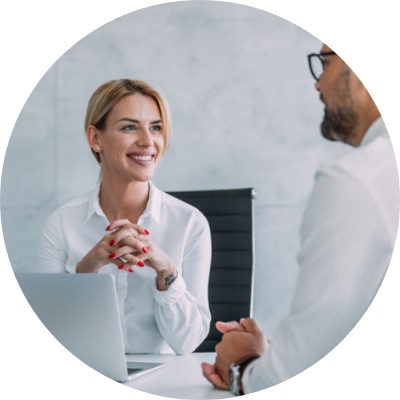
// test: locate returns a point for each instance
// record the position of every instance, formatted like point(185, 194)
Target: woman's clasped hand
point(126, 245)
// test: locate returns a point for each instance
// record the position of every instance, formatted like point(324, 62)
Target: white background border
point(34, 34)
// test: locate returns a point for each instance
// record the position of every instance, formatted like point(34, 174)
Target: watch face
point(233, 378)
point(235, 375)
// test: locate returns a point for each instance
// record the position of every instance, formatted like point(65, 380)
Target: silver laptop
point(81, 311)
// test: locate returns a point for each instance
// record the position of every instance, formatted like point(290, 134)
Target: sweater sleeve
point(345, 251)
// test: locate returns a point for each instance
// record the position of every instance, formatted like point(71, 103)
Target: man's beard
point(340, 121)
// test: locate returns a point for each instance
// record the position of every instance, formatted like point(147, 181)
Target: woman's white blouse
point(152, 321)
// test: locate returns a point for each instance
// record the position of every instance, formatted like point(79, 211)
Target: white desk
point(180, 378)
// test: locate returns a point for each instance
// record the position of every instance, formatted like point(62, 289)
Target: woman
point(126, 222)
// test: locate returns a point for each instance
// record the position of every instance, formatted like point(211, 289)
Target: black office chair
point(230, 215)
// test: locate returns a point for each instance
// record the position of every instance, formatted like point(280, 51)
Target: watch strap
point(235, 375)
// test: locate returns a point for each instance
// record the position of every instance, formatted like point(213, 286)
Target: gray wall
point(245, 113)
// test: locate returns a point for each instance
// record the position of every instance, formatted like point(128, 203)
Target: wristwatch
point(235, 374)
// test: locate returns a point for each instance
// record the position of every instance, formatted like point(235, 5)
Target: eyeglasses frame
point(319, 55)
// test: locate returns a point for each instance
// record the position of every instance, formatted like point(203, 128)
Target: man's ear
point(363, 97)
point(367, 110)
point(357, 87)
point(93, 138)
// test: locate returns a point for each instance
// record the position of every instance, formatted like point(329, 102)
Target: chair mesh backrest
point(230, 215)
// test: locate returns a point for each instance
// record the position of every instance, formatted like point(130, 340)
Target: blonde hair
point(107, 96)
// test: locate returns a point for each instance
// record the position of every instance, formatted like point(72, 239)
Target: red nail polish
point(130, 269)
point(144, 250)
point(120, 266)
point(112, 256)
point(108, 227)
point(146, 232)
point(140, 263)
point(112, 243)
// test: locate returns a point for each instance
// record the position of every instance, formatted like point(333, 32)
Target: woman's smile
point(142, 158)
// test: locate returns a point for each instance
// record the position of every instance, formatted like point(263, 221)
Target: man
point(347, 239)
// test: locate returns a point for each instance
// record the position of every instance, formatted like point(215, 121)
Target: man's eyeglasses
point(317, 64)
